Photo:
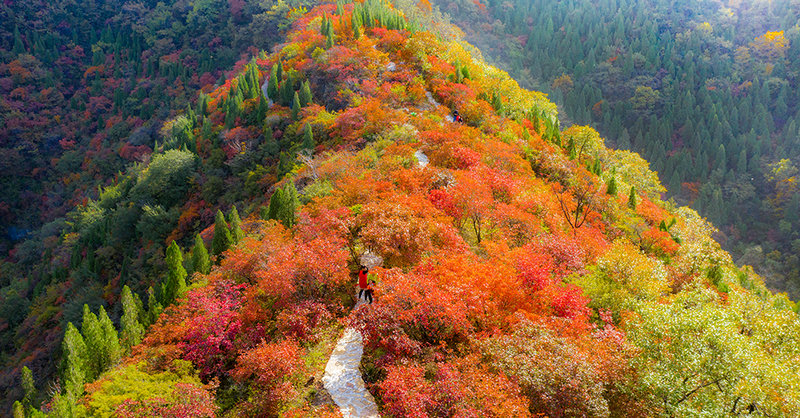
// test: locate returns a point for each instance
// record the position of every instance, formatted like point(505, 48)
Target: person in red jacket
point(362, 280)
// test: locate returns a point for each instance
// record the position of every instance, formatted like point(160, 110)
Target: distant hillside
point(705, 90)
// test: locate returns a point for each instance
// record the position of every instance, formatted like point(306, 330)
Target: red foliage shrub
point(299, 321)
point(269, 367)
point(658, 242)
point(212, 322)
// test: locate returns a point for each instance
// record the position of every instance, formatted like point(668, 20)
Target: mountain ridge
point(521, 257)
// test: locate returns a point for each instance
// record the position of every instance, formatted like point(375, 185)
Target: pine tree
point(356, 21)
point(132, 329)
point(154, 307)
point(236, 225)
point(275, 205)
point(611, 188)
point(308, 138)
point(200, 260)
point(305, 94)
point(95, 343)
point(75, 361)
point(497, 103)
point(222, 235)
point(632, 198)
point(19, 47)
point(272, 86)
point(329, 42)
point(175, 284)
point(112, 350)
point(295, 106)
point(287, 91)
point(290, 204)
point(28, 388)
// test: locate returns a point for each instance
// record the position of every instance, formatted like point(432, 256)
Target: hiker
point(457, 117)
point(362, 280)
point(369, 291)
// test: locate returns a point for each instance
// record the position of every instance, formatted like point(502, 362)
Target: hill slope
point(525, 270)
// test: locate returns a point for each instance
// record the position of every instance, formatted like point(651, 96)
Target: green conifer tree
point(28, 388)
point(201, 263)
point(175, 284)
point(112, 350)
point(74, 361)
point(132, 329)
point(287, 91)
point(95, 343)
point(236, 225)
point(154, 307)
point(329, 41)
point(275, 205)
point(356, 21)
point(305, 94)
point(19, 47)
point(611, 188)
point(632, 198)
point(308, 137)
point(17, 411)
point(290, 204)
point(295, 106)
point(222, 235)
point(272, 85)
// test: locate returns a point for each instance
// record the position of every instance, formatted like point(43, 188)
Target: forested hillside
point(84, 90)
point(526, 270)
point(704, 90)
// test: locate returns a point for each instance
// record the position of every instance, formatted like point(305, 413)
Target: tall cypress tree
point(632, 198)
point(305, 94)
point(200, 260)
point(175, 284)
point(17, 411)
point(74, 361)
point(28, 388)
point(272, 86)
point(154, 307)
point(222, 235)
point(19, 47)
point(236, 225)
point(287, 91)
point(290, 204)
point(295, 106)
point(611, 189)
point(112, 351)
point(132, 329)
point(308, 137)
point(95, 343)
point(275, 205)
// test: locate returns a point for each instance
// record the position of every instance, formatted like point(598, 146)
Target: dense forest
point(212, 173)
point(704, 90)
point(84, 93)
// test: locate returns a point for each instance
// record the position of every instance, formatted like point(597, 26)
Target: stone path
point(422, 159)
point(343, 380)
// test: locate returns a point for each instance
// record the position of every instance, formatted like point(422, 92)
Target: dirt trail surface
point(343, 380)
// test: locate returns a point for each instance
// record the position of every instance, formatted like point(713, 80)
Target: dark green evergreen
point(201, 263)
point(174, 286)
point(236, 225)
point(132, 330)
point(222, 235)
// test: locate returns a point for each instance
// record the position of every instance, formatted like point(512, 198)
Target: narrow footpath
point(343, 380)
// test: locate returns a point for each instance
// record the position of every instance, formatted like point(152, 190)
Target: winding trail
point(343, 380)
